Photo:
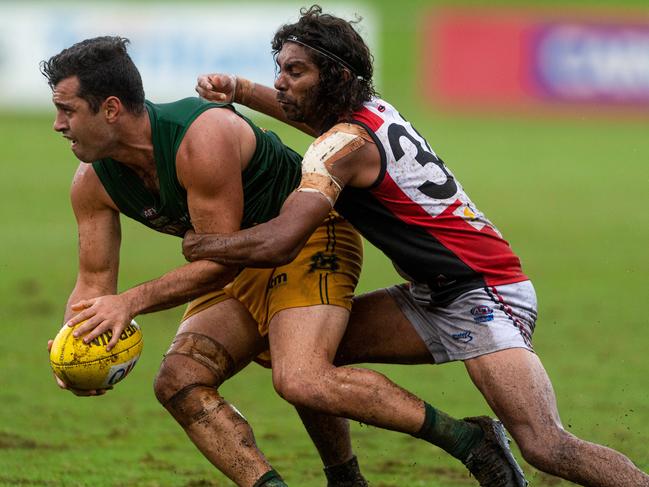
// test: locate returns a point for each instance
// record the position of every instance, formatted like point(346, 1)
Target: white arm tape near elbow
point(319, 160)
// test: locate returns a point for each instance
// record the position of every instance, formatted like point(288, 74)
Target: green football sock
point(270, 479)
point(346, 474)
point(454, 436)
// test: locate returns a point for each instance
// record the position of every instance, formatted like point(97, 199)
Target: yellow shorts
point(325, 271)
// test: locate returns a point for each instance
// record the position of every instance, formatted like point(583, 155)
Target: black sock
point(270, 479)
point(346, 474)
point(454, 436)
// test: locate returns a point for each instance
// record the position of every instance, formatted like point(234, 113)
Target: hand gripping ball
point(90, 366)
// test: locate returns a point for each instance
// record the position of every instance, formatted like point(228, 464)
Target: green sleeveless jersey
point(271, 175)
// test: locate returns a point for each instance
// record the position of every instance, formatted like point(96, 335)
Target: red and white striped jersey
point(418, 214)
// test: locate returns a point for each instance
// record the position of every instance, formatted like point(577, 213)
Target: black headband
point(326, 53)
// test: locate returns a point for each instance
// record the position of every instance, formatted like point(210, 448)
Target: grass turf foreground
point(569, 195)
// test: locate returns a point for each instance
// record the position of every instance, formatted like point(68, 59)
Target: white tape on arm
point(319, 159)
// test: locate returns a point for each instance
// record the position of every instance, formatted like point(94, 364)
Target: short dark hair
point(104, 69)
point(330, 37)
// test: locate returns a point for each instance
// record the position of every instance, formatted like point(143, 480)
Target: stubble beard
point(306, 111)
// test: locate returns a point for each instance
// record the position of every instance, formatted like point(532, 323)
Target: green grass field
point(570, 195)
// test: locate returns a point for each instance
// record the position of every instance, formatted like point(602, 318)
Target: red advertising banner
point(507, 60)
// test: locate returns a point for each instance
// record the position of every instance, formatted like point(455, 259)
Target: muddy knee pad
point(207, 352)
point(196, 401)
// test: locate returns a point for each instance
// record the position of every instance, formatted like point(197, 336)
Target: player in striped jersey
point(466, 296)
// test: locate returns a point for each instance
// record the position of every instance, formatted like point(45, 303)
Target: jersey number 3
point(423, 157)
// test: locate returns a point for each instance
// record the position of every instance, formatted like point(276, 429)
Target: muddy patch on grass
point(10, 481)
point(150, 461)
point(28, 287)
point(203, 483)
point(32, 302)
point(543, 479)
point(10, 441)
point(448, 475)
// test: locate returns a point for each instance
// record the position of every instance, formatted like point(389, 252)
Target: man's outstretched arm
point(99, 237)
point(271, 244)
point(343, 155)
point(229, 88)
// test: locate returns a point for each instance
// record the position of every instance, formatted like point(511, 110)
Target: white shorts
point(475, 323)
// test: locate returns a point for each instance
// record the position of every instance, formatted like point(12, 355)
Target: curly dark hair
point(338, 95)
point(104, 69)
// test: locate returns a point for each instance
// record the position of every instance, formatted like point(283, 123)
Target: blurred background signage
point(170, 43)
point(516, 60)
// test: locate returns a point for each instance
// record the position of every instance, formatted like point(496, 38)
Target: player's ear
point(111, 108)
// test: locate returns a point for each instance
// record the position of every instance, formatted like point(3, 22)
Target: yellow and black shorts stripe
point(326, 271)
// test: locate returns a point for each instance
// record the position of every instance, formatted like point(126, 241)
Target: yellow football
point(90, 366)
